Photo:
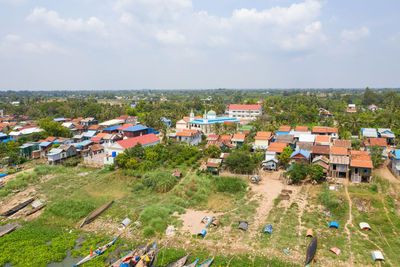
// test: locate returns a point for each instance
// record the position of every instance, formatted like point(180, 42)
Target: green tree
point(284, 157)
point(53, 128)
point(151, 156)
point(240, 162)
point(298, 172)
point(376, 155)
point(131, 163)
point(212, 151)
point(316, 172)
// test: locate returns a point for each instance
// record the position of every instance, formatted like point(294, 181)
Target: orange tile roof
point(321, 150)
point(94, 127)
point(239, 136)
point(322, 139)
point(301, 129)
point(358, 153)
point(284, 128)
point(318, 129)
point(265, 134)
point(337, 150)
point(101, 135)
point(361, 160)
point(225, 138)
point(277, 147)
point(378, 142)
point(188, 132)
point(342, 143)
point(50, 139)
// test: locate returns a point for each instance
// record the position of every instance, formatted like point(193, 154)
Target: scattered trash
point(202, 233)
point(207, 220)
point(365, 226)
point(335, 250)
point(286, 251)
point(268, 229)
point(332, 188)
point(327, 213)
point(309, 233)
point(377, 256)
point(215, 223)
point(255, 179)
point(170, 230)
point(243, 225)
point(102, 230)
point(83, 174)
point(334, 224)
point(126, 222)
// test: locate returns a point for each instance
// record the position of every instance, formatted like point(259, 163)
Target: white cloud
point(355, 35)
point(170, 37)
point(17, 43)
point(53, 19)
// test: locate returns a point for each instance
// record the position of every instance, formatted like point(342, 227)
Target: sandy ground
point(11, 176)
point(385, 173)
point(268, 189)
point(20, 197)
point(192, 220)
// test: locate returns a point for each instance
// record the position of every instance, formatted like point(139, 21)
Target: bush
point(230, 184)
point(69, 209)
point(45, 169)
point(160, 182)
point(138, 187)
point(240, 162)
point(148, 231)
point(20, 182)
point(71, 162)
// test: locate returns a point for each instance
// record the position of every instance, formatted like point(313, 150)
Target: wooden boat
point(18, 207)
point(96, 253)
point(148, 259)
point(32, 211)
point(181, 262)
point(96, 213)
point(311, 250)
point(193, 264)
point(8, 228)
point(207, 263)
point(130, 257)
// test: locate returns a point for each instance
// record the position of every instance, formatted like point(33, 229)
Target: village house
point(87, 122)
point(323, 162)
point(96, 149)
point(319, 151)
point(373, 108)
point(360, 166)
point(277, 147)
point(213, 139)
point(63, 152)
point(120, 146)
point(395, 162)
point(207, 123)
point(342, 143)
point(271, 161)
point(322, 140)
point(369, 132)
point(330, 131)
point(379, 142)
point(238, 140)
point(286, 138)
point(351, 108)
point(112, 129)
point(300, 156)
point(244, 112)
point(112, 122)
point(339, 151)
point(26, 149)
point(190, 137)
point(262, 140)
point(88, 135)
point(284, 129)
point(388, 134)
point(44, 147)
point(339, 166)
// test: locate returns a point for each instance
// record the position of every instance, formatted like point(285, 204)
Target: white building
point(244, 112)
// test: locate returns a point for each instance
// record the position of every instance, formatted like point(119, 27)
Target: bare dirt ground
point(20, 197)
point(192, 220)
point(385, 173)
point(11, 176)
point(268, 189)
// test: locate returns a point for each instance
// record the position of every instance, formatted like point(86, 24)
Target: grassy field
point(156, 199)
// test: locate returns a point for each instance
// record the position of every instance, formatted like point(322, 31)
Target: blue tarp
point(396, 153)
point(3, 175)
point(136, 128)
point(268, 229)
point(112, 128)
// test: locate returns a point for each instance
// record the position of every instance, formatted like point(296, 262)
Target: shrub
point(148, 231)
point(71, 162)
point(160, 182)
point(230, 184)
point(70, 209)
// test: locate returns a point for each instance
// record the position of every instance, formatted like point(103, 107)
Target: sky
point(183, 44)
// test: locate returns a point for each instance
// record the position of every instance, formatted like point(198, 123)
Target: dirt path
point(349, 221)
point(265, 193)
point(302, 203)
point(385, 173)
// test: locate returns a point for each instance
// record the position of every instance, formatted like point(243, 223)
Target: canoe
point(8, 228)
point(96, 253)
point(96, 213)
point(18, 207)
point(207, 263)
point(311, 250)
point(130, 257)
point(193, 264)
point(181, 262)
point(32, 211)
point(148, 259)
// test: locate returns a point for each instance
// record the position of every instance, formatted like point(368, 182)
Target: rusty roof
point(337, 150)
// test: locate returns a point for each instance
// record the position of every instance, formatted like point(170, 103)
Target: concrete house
point(63, 152)
point(244, 112)
point(330, 131)
point(238, 140)
point(120, 146)
point(190, 137)
point(271, 161)
point(262, 140)
point(395, 162)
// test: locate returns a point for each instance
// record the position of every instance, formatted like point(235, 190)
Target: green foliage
point(69, 209)
point(156, 218)
point(131, 163)
point(212, 151)
point(373, 188)
point(355, 144)
point(331, 201)
point(160, 181)
point(376, 155)
point(148, 231)
point(316, 172)
point(53, 128)
point(284, 157)
point(26, 247)
point(20, 182)
point(240, 162)
point(231, 185)
point(298, 172)
point(71, 162)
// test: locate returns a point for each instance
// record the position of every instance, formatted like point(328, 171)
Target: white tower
point(191, 115)
point(205, 119)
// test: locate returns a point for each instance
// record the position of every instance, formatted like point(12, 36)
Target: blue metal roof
point(112, 128)
point(89, 134)
point(44, 143)
point(303, 152)
point(214, 121)
point(135, 128)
